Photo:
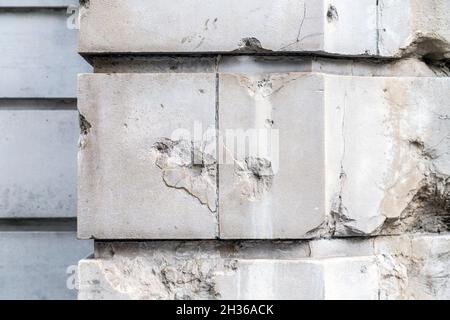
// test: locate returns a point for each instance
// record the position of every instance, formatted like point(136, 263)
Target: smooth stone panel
point(38, 144)
point(40, 265)
point(39, 56)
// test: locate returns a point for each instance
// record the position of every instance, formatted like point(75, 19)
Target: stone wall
point(38, 148)
point(284, 149)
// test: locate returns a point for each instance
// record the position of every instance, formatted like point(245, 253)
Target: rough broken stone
point(130, 187)
point(391, 178)
point(210, 271)
point(342, 27)
point(393, 267)
point(188, 168)
point(412, 66)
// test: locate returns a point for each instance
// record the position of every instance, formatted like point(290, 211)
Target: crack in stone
point(184, 166)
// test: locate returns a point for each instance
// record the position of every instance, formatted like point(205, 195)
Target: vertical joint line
point(378, 26)
point(217, 155)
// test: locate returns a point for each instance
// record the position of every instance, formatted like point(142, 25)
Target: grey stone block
point(39, 58)
point(38, 144)
point(174, 270)
point(142, 171)
point(40, 265)
point(275, 187)
point(342, 27)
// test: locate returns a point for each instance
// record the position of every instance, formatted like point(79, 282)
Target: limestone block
point(274, 187)
point(385, 267)
point(40, 265)
point(430, 261)
point(213, 271)
point(201, 26)
point(147, 165)
point(38, 144)
point(392, 177)
point(39, 58)
point(342, 27)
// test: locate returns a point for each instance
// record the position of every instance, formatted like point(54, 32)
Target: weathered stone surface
point(201, 26)
point(38, 147)
point(391, 178)
point(394, 267)
point(407, 67)
point(212, 270)
point(295, 153)
point(333, 126)
point(344, 27)
point(143, 173)
point(40, 265)
point(39, 58)
point(274, 188)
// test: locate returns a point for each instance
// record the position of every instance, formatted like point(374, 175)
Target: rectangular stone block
point(40, 265)
point(387, 142)
point(220, 271)
point(343, 27)
point(271, 172)
point(201, 26)
point(38, 144)
point(147, 166)
point(392, 267)
point(39, 58)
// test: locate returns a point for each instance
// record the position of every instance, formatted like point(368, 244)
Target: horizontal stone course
point(321, 177)
point(377, 268)
point(337, 27)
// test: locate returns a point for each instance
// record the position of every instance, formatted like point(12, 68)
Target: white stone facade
point(287, 149)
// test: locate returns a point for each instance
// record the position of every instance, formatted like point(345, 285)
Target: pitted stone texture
point(39, 58)
point(393, 267)
point(271, 172)
point(131, 186)
point(387, 154)
point(201, 26)
point(343, 27)
point(258, 64)
point(38, 147)
point(215, 270)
